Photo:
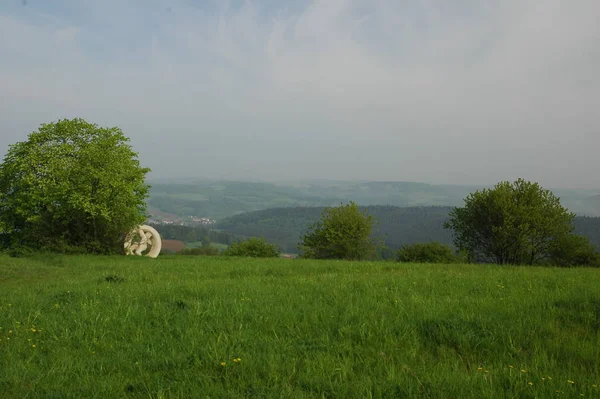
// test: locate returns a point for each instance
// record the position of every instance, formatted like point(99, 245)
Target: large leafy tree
point(513, 223)
point(71, 186)
point(344, 232)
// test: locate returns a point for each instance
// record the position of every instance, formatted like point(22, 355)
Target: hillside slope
point(221, 199)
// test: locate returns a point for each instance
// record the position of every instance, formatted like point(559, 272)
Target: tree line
point(517, 223)
point(396, 226)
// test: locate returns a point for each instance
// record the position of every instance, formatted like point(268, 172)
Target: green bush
point(20, 252)
point(513, 223)
point(343, 232)
point(253, 247)
point(203, 250)
point(573, 250)
point(433, 252)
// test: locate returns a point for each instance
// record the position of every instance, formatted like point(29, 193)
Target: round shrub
point(253, 247)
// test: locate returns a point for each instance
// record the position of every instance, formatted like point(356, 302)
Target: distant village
point(182, 221)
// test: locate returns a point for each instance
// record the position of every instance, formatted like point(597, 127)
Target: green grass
point(107, 327)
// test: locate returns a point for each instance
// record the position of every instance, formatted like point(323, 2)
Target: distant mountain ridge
point(591, 205)
point(219, 199)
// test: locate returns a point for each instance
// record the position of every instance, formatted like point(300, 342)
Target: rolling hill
point(221, 199)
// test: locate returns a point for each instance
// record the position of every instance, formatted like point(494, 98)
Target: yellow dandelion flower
point(511, 367)
point(479, 368)
point(33, 330)
point(487, 371)
point(543, 378)
point(523, 371)
point(223, 364)
point(571, 382)
point(237, 360)
point(10, 331)
point(33, 346)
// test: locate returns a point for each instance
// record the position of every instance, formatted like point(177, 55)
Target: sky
point(436, 91)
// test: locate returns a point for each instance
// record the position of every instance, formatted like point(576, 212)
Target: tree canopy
point(344, 232)
point(513, 223)
point(72, 186)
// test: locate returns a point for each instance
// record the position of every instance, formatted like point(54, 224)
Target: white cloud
point(468, 91)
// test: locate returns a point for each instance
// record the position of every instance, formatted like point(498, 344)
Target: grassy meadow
point(187, 327)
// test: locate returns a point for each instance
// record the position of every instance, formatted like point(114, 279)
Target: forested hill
point(398, 225)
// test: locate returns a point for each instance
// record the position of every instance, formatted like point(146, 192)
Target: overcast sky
point(458, 92)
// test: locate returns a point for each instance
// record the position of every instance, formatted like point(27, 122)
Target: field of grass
point(104, 327)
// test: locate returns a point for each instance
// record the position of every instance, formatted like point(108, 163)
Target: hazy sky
point(465, 91)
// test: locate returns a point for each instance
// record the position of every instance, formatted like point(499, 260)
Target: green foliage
point(344, 232)
point(385, 253)
point(253, 247)
point(396, 226)
point(125, 327)
point(514, 223)
point(432, 252)
point(573, 250)
point(203, 250)
point(20, 252)
point(71, 187)
point(4, 241)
